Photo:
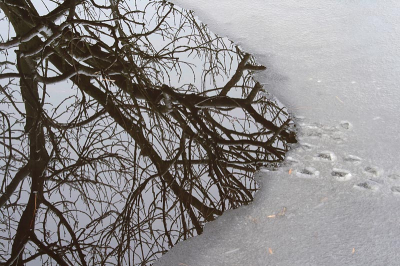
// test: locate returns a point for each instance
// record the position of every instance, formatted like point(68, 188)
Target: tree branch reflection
point(114, 147)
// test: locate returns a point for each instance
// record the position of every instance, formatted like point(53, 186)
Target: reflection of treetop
point(125, 127)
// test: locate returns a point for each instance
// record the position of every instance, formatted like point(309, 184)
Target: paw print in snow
point(307, 172)
point(346, 124)
point(394, 176)
point(396, 190)
point(373, 170)
point(341, 174)
point(326, 156)
point(306, 146)
point(370, 184)
point(352, 159)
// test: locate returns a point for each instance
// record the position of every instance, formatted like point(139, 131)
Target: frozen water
point(308, 212)
point(351, 47)
point(336, 65)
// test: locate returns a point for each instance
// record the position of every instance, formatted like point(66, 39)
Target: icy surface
point(336, 201)
point(309, 212)
point(329, 61)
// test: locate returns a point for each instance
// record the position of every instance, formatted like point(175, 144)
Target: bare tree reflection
point(108, 154)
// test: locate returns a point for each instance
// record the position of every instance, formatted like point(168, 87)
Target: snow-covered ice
point(336, 200)
point(309, 212)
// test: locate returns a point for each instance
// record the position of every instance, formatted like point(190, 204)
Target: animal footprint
point(307, 172)
point(372, 170)
point(337, 137)
point(330, 129)
point(307, 146)
point(394, 176)
point(370, 184)
point(346, 124)
point(341, 174)
point(314, 134)
point(352, 159)
point(396, 190)
point(312, 131)
point(325, 156)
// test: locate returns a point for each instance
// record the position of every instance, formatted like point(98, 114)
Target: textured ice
point(291, 161)
point(396, 190)
point(307, 172)
point(341, 174)
point(346, 125)
point(370, 184)
point(325, 156)
point(394, 176)
point(350, 46)
point(373, 170)
point(353, 159)
point(322, 215)
point(336, 65)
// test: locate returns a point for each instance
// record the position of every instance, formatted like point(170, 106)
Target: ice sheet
point(336, 65)
point(324, 206)
point(327, 60)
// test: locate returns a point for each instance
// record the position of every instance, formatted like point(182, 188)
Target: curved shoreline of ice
point(336, 200)
point(327, 61)
point(308, 212)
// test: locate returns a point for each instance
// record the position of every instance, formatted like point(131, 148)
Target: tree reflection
point(109, 155)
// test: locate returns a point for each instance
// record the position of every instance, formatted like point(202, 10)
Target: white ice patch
point(264, 170)
point(352, 159)
point(306, 146)
point(232, 251)
point(291, 161)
